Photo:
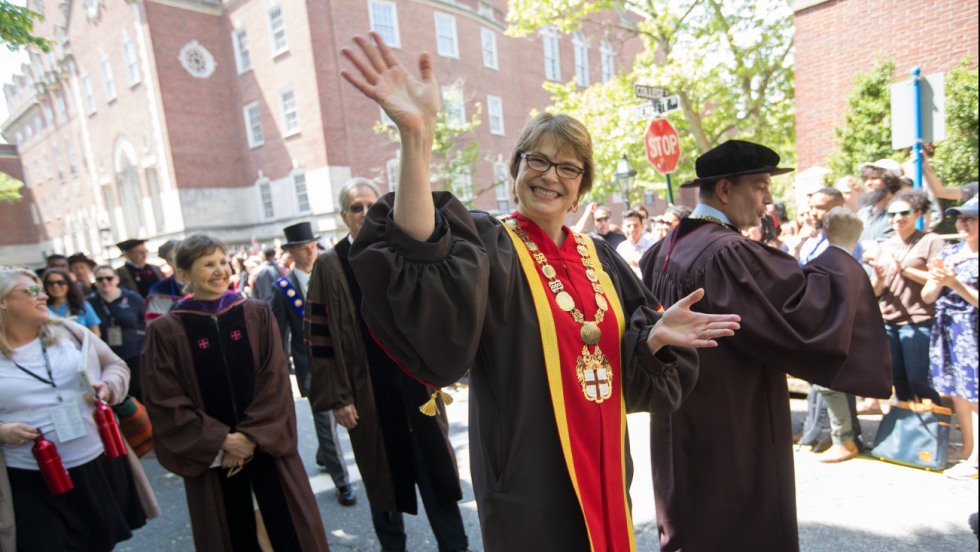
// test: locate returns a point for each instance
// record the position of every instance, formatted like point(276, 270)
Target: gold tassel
point(447, 399)
point(430, 407)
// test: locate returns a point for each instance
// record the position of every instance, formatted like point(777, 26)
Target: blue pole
point(917, 146)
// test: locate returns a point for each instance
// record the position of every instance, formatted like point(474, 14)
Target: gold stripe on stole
point(613, 298)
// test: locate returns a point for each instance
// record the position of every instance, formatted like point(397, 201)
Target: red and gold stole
point(592, 433)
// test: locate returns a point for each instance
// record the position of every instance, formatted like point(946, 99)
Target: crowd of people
point(561, 331)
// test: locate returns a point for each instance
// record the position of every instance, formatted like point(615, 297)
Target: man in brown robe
point(395, 445)
point(723, 463)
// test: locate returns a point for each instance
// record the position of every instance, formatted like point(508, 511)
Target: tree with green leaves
point(865, 134)
point(16, 26)
point(730, 62)
point(9, 188)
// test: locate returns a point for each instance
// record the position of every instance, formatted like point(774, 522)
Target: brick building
point(836, 39)
point(159, 118)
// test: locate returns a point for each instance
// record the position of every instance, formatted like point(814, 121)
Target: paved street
point(863, 504)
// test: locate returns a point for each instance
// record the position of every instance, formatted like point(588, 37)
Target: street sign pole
point(670, 193)
point(917, 146)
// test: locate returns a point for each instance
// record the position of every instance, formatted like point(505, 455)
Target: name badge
point(114, 336)
point(67, 420)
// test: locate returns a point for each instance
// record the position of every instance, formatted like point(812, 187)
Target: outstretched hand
point(411, 103)
point(682, 327)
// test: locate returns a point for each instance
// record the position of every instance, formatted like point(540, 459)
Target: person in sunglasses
point(123, 321)
point(899, 270)
point(65, 300)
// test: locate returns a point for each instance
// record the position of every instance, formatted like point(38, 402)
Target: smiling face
point(544, 197)
point(633, 228)
point(209, 275)
point(56, 287)
point(966, 227)
point(106, 282)
point(819, 206)
point(902, 217)
point(26, 303)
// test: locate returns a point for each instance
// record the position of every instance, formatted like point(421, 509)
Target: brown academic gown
point(460, 301)
point(723, 463)
point(187, 440)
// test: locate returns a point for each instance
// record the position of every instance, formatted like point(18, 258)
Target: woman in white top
point(43, 390)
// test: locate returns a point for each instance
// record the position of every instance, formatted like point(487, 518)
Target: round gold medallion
point(590, 333)
point(548, 271)
point(531, 245)
point(565, 301)
point(591, 275)
point(601, 302)
point(582, 250)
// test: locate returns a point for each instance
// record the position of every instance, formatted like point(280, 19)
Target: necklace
point(591, 368)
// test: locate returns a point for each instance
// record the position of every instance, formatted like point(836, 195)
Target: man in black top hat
point(288, 301)
point(723, 463)
point(137, 274)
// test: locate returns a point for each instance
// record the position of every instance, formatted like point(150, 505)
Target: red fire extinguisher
point(105, 421)
point(49, 462)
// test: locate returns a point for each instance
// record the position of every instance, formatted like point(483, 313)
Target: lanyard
point(47, 365)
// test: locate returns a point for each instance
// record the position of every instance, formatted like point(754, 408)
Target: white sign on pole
point(933, 106)
point(645, 111)
point(670, 103)
point(650, 92)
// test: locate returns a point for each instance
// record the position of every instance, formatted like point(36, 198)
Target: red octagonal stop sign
point(663, 146)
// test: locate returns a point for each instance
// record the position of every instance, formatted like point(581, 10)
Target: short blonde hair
point(49, 332)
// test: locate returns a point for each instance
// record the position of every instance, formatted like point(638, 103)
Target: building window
point(463, 187)
point(70, 154)
point(392, 168)
point(607, 57)
point(290, 119)
point(265, 194)
point(302, 197)
point(452, 102)
point(243, 56)
point(446, 43)
point(253, 125)
point(552, 60)
point(87, 92)
point(581, 46)
point(385, 119)
point(27, 177)
point(132, 62)
point(495, 112)
point(59, 106)
point(489, 41)
point(107, 80)
point(58, 164)
point(47, 166)
point(277, 30)
point(501, 190)
point(153, 185)
point(384, 21)
point(48, 114)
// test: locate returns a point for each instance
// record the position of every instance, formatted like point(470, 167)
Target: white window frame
point(290, 115)
point(70, 154)
point(607, 60)
point(488, 45)
point(389, 32)
point(552, 55)
point(501, 188)
point(454, 103)
point(447, 41)
point(60, 108)
point(462, 186)
point(131, 60)
point(243, 53)
point(581, 48)
point(277, 32)
point(301, 192)
point(48, 114)
point(252, 113)
point(88, 93)
point(267, 202)
point(59, 165)
point(393, 170)
point(108, 82)
point(495, 114)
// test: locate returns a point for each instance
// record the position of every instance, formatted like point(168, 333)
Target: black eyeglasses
point(104, 278)
point(601, 219)
point(359, 208)
point(56, 283)
point(543, 165)
point(905, 213)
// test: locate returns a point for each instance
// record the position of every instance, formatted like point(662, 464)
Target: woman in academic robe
point(559, 336)
point(216, 386)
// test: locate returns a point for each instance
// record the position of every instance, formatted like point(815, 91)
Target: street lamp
point(625, 175)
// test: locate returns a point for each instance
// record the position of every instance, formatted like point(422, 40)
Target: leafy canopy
point(16, 25)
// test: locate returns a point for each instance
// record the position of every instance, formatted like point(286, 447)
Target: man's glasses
point(104, 278)
point(542, 165)
point(56, 283)
point(964, 218)
point(359, 208)
point(905, 213)
point(602, 219)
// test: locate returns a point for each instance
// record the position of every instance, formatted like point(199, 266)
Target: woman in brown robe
point(217, 390)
